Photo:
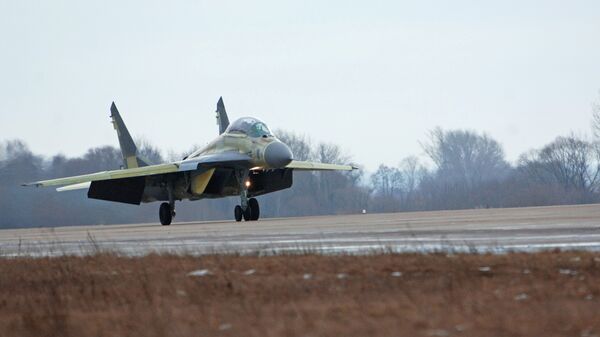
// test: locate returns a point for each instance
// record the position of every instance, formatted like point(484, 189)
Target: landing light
point(247, 183)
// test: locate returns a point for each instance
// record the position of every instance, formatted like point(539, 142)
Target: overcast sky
point(372, 76)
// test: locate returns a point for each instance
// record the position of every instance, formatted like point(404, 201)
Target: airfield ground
point(520, 294)
point(404, 274)
point(480, 230)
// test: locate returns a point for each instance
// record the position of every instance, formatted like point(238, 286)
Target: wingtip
point(31, 184)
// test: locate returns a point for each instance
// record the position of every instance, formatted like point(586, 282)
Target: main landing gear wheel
point(238, 213)
point(165, 214)
point(254, 209)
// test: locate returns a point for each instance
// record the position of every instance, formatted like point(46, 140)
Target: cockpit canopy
point(249, 126)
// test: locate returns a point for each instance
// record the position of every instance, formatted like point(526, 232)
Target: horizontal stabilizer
point(73, 187)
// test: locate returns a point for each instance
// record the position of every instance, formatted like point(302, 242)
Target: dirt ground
point(542, 294)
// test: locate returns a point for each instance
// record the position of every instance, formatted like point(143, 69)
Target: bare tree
point(14, 148)
point(105, 158)
point(412, 171)
point(330, 153)
point(571, 162)
point(465, 157)
point(596, 118)
point(387, 181)
point(149, 152)
point(299, 144)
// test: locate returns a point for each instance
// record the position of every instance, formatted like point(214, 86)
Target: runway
point(482, 230)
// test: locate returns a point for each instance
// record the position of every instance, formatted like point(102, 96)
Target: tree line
point(461, 169)
point(470, 171)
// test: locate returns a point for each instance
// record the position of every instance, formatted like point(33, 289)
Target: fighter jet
point(245, 159)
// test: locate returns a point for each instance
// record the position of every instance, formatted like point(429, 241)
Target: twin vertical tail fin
point(222, 119)
point(128, 148)
point(131, 158)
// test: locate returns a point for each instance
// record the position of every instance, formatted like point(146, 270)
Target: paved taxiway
point(482, 230)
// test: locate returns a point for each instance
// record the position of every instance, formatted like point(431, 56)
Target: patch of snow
point(342, 276)
point(438, 333)
point(567, 272)
point(587, 333)
point(526, 271)
point(180, 292)
point(396, 274)
point(200, 272)
point(521, 297)
point(307, 276)
point(589, 297)
point(575, 259)
point(249, 272)
point(225, 326)
point(485, 269)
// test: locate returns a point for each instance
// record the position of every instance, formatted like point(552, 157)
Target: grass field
point(542, 294)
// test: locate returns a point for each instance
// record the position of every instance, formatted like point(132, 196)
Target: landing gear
point(165, 214)
point(248, 208)
point(254, 209)
point(251, 213)
point(248, 214)
point(238, 213)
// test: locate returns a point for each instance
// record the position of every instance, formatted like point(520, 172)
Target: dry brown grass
point(544, 294)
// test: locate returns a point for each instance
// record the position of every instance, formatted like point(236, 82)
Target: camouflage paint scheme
point(246, 159)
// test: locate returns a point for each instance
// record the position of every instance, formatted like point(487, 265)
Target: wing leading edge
point(224, 159)
point(311, 166)
point(109, 175)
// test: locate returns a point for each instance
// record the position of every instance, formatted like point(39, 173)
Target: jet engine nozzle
point(278, 155)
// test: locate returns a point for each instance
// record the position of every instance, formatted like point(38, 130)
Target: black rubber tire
point(237, 211)
point(254, 209)
point(164, 213)
point(248, 214)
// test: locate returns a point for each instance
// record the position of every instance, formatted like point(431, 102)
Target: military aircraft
point(246, 159)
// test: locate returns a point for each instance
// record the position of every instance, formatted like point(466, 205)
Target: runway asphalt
point(482, 230)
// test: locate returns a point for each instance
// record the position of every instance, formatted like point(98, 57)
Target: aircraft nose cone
point(278, 154)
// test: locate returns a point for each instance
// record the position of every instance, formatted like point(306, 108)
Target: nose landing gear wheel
point(238, 213)
point(252, 212)
point(248, 214)
point(254, 209)
point(165, 214)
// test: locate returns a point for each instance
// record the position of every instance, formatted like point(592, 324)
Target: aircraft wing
point(224, 159)
point(311, 166)
point(108, 175)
